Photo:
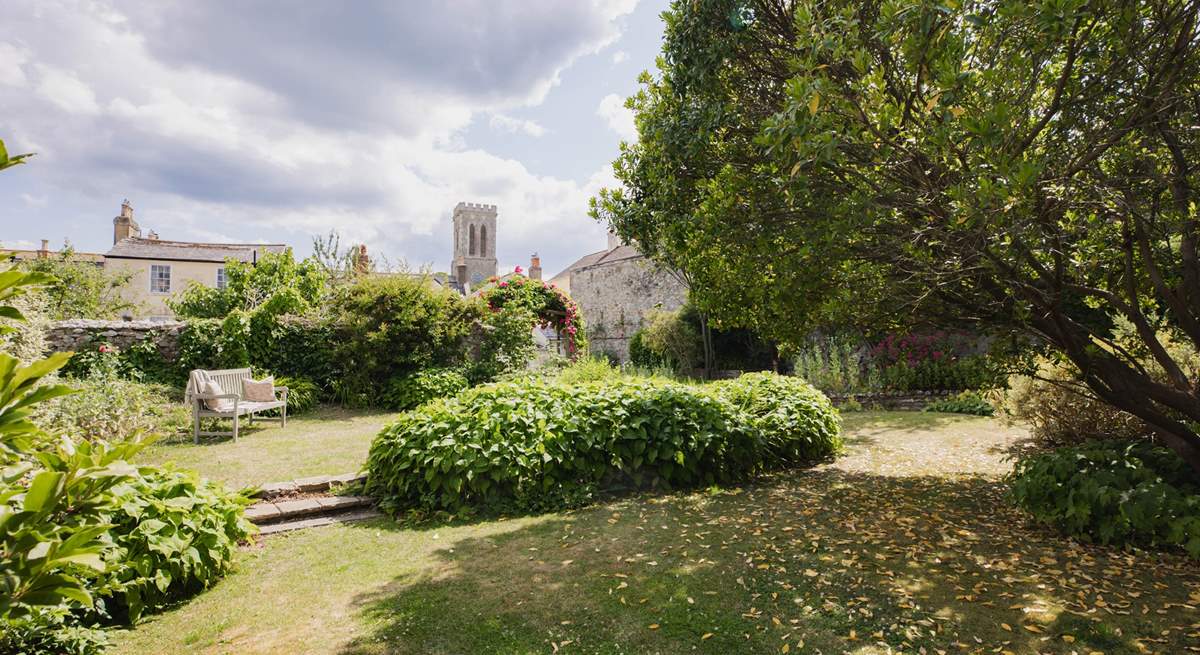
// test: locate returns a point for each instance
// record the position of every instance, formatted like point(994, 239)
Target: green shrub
point(798, 423)
point(505, 346)
point(1060, 410)
point(1112, 492)
point(408, 391)
point(302, 394)
point(966, 402)
point(173, 535)
point(113, 409)
point(588, 369)
point(540, 445)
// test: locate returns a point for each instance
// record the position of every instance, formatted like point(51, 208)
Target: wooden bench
point(230, 382)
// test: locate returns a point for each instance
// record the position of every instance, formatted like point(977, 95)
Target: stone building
point(474, 258)
point(615, 289)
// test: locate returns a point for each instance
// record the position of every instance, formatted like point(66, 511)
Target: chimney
point(362, 263)
point(45, 251)
point(124, 226)
point(535, 267)
point(614, 240)
point(153, 236)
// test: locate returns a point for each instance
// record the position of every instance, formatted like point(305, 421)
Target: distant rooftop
point(140, 248)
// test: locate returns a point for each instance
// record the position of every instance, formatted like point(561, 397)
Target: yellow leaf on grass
point(706, 636)
point(653, 626)
point(1006, 626)
point(787, 648)
point(957, 111)
point(1032, 628)
point(1068, 638)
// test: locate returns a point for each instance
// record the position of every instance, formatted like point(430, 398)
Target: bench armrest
point(284, 390)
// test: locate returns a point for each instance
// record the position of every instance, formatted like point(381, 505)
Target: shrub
point(25, 338)
point(505, 345)
point(114, 409)
point(413, 390)
point(966, 402)
point(798, 423)
point(540, 445)
point(588, 369)
point(1062, 411)
point(173, 535)
point(1112, 492)
point(302, 394)
point(672, 340)
point(391, 325)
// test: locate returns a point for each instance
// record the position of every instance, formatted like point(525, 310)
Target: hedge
point(540, 445)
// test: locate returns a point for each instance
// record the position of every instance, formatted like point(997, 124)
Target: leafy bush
point(274, 279)
point(173, 535)
point(913, 362)
point(114, 409)
point(505, 345)
point(538, 444)
point(671, 340)
point(391, 325)
point(408, 391)
point(797, 423)
point(302, 394)
point(1113, 492)
point(25, 338)
point(549, 306)
point(588, 369)
point(1060, 410)
point(966, 402)
point(80, 289)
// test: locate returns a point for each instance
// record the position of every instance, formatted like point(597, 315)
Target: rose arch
point(550, 304)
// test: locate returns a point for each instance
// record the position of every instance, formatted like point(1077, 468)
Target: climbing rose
point(517, 270)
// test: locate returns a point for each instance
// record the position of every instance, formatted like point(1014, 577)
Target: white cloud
point(12, 59)
point(505, 123)
point(619, 56)
point(618, 117)
point(67, 92)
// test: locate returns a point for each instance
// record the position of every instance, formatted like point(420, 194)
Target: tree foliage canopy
point(1026, 168)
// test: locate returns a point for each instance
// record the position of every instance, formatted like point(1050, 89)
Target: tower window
point(471, 246)
point(483, 251)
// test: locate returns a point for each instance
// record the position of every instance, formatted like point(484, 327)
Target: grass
point(904, 544)
point(328, 440)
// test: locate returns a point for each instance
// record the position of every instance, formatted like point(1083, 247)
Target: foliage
point(1018, 169)
point(965, 402)
point(639, 353)
point(796, 422)
point(1060, 410)
point(25, 338)
point(101, 360)
point(1113, 492)
point(295, 347)
point(843, 363)
point(539, 444)
point(50, 631)
point(550, 305)
point(303, 394)
point(671, 340)
point(505, 344)
point(7, 160)
point(415, 389)
point(114, 409)
point(588, 369)
point(386, 326)
point(276, 282)
point(80, 288)
point(836, 364)
point(173, 535)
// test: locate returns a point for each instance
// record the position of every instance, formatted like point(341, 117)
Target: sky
point(271, 121)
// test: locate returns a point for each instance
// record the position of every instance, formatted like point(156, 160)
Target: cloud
point(509, 124)
point(225, 117)
point(617, 116)
point(619, 56)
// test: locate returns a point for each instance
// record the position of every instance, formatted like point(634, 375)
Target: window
point(483, 251)
point(471, 248)
point(221, 283)
point(160, 278)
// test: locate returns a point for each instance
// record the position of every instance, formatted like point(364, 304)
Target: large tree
point(1021, 167)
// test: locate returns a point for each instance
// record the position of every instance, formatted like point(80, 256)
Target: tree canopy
point(1023, 168)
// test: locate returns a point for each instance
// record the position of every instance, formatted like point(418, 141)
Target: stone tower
point(474, 244)
point(124, 226)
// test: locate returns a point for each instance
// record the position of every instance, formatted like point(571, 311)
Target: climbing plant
point(551, 306)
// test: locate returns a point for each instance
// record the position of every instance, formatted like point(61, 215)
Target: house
point(45, 253)
point(160, 268)
point(615, 289)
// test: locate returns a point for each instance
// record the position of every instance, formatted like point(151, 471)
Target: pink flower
point(503, 284)
point(571, 330)
point(517, 270)
point(104, 348)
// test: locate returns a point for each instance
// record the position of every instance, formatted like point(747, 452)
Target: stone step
point(318, 521)
point(266, 512)
point(313, 484)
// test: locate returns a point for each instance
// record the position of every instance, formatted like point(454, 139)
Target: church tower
point(124, 226)
point(474, 244)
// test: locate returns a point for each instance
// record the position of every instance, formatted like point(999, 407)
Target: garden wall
point(64, 336)
point(901, 400)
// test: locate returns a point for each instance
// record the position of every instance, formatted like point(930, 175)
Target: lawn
point(327, 441)
point(904, 544)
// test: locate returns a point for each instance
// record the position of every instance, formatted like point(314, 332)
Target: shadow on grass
point(843, 561)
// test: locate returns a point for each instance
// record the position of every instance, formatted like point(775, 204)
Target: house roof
point(139, 248)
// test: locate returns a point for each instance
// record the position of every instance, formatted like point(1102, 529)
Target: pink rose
point(517, 270)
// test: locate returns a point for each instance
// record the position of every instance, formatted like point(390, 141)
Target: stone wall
point(63, 336)
point(615, 297)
